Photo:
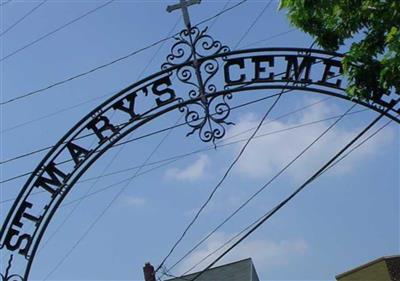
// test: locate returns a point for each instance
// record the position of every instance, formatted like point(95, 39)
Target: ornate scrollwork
point(10, 277)
point(207, 115)
point(13, 277)
point(208, 120)
point(193, 44)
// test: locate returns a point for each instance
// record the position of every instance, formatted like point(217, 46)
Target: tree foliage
point(372, 63)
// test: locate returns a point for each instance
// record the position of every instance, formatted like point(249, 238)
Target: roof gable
point(237, 271)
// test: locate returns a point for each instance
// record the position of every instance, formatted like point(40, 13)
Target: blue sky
point(347, 217)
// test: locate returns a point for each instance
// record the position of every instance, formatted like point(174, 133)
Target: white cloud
point(134, 201)
point(267, 155)
point(266, 253)
point(190, 173)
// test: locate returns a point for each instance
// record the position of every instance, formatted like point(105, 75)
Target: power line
point(215, 20)
point(62, 110)
point(114, 157)
point(221, 247)
point(84, 73)
point(270, 213)
point(259, 219)
point(115, 197)
point(61, 82)
point(222, 12)
point(158, 50)
point(212, 147)
point(175, 158)
point(360, 144)
point(254, 195)
point(220, 182)
point(270, 37)
point(253, 24)
point(170, 160)
point(132, 140)
point(79, 104)
point(49, 147)
point(56, 30)
point(97, 219)
point(5, 3)
point(226, 173)
point(141, 137)
point(23, 17)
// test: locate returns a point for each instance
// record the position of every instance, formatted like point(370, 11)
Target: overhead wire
point(97, 219)
point(49, 147)
point(55, 31)
point(270, 37)
point(257, 193)
point(274, 210)
point(96, 98)
point(122, 190)
point(117, 195)
point(263, 216)
point(219, 248)
point(5, 3)
point(78, 202)
point(128, 141)
point(169, 160)
point(242, 150)
point(216, 187)
point(31, 11)
point(62, 110)
point(61, 82)
point(360, 144)
point(216, 19)
point(236, 107)
point(258, 17)
point(118, 144)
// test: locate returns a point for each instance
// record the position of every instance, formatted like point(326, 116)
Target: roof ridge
point(358, 268)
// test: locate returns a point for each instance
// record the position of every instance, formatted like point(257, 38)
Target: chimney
point(149, 274)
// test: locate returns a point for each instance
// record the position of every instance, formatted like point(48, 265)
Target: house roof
point(242, 270)
point(392, 262)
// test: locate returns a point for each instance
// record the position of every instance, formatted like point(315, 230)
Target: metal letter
point(167, 91)
point(77, 152)
point(329, 74)
point(107, 126)
point(239, 62)
point(54, 180)
point(293, 65)
point(258, 69)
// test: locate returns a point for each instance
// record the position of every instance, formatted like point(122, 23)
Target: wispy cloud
point(266, 155)
point(134, 201)
point(193, 172)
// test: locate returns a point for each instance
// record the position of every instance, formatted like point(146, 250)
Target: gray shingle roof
point(243, 270)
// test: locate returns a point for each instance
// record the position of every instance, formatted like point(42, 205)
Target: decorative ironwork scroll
point(10, 277)
point(207, 115)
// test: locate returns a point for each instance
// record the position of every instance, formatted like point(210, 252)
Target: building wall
point(375, 272)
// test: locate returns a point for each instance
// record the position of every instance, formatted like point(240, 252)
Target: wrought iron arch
point(210, 75)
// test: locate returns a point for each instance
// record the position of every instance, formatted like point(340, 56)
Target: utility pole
point(149, 273)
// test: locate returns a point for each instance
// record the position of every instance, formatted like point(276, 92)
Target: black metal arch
point(204, 103)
